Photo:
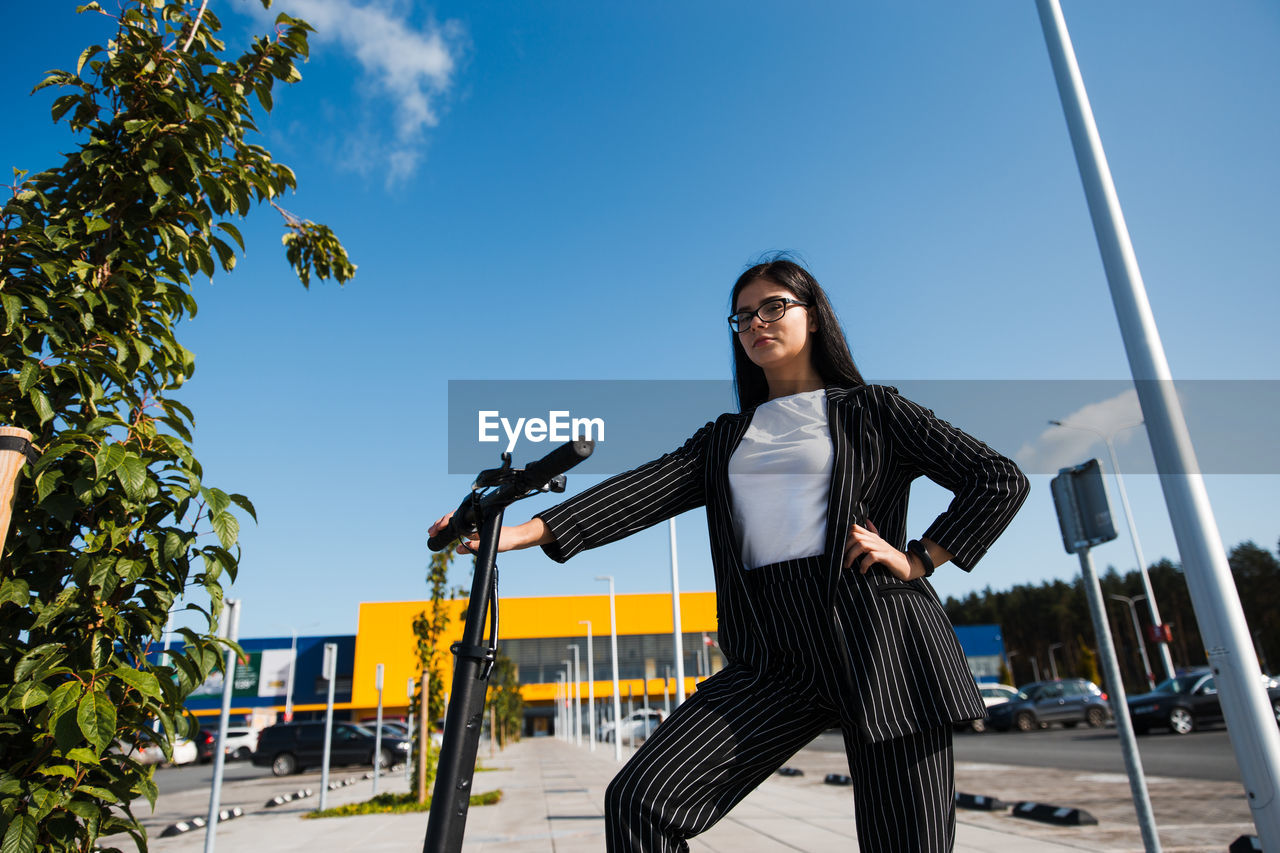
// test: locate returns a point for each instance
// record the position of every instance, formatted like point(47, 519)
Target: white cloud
point(412, 66)
point(1059, 447)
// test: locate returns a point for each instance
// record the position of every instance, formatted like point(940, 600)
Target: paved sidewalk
point(553, 794)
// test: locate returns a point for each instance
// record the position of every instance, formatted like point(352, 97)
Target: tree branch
point(195, 25)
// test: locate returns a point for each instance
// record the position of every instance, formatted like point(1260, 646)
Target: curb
point(979, 802)
point(199, 822)
point(288, 798)
point(1060, 815)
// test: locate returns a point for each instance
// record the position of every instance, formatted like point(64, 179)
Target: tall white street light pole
point(1137, 632)
point(591, 686)
point(1245, 705)
point(577, 696)
point(1166, 658)
point(617, 690)
point(677, 629)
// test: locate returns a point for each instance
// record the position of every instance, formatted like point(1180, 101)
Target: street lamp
point(1137, 632)
point(568, 714)
point(1053, 663)
point(617, 702)
point(1165, 657)
point(561, 726)
point(577, 696)
point(591, 686)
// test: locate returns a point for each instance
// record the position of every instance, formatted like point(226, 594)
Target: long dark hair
point(831, 357)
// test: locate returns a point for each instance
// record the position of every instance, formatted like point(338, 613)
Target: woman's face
point(783, 343)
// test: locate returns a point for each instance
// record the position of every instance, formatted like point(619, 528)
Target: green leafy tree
point(1088, 666)
point(506, 700)
point(114, 524)
point(428, 631)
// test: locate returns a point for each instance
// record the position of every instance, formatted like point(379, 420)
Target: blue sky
point(568, 191)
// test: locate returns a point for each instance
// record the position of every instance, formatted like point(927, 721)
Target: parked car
point(637, 725)
point(1185, 703)
point(290, 747)
point(992, 694)
point(146, 751)
point(1069, 701)
point(206, 742)
point(240, 742)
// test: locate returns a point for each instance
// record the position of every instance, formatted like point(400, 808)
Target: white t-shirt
point(779, 479)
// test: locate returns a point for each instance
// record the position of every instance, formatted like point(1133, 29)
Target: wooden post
point(424, 729)
point(14, 444)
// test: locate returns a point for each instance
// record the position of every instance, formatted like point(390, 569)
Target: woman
point(825, 614)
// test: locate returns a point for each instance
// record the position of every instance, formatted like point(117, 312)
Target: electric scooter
point(473, 655)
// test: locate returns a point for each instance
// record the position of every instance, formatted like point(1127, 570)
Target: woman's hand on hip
point(532, 532)
point(864, 548)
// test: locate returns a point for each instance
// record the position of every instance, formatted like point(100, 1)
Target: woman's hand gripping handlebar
point(511, 484)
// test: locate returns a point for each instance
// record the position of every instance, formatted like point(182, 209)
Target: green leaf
point(59, 770)
point(100, 793)
point(226, 255)
point(144, 682)
point(28, 375)
point(16, 591)
point(234, 232)
point(63, 699)
point(159, 184)
point(132, 474)
point(95, 225)
point(27, 695)
point(227, 528)
point(12, 309)
point(83, 755)
point(246, 505)
point(108, 459)
point(217, 500)
point(130, 570)
point(21, 836)
point(147, 788)
point(41, 403)
point(34, 660)
point(144, 352)
point(97, 719)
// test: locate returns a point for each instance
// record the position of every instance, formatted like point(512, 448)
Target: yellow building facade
point(530, 631)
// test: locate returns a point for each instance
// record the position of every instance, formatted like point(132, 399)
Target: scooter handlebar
point(535, 475)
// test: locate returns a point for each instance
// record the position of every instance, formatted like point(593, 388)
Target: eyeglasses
point(769, 312)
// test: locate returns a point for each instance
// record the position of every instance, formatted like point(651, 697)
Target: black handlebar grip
point(450, 531)
point(538, 474)
point(443, 538)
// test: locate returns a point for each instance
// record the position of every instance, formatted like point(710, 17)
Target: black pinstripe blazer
point(903, 667)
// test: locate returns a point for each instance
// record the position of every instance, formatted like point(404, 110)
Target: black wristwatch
point(915, 546)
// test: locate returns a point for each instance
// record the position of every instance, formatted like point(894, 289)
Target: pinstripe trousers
point(743, 723)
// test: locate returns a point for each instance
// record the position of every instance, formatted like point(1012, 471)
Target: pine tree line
point(1032, 618)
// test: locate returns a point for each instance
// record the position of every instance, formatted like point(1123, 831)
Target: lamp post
point(1166, 658)
point(560, 724)
point(293, 665)
point(613, 640)
point(677, 629)
point(1053, 662)
point(577, 696)
point(1137, 632)
point(568, 695)
point(591, 686)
